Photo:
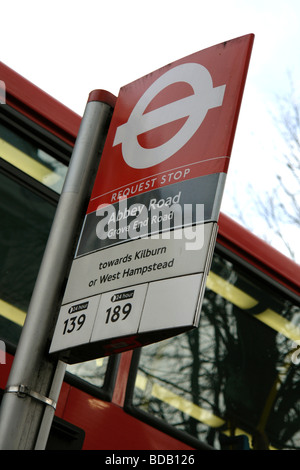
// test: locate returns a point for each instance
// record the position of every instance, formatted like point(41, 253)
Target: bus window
point(31, 179)
point(92, 372)
point(25, 223)
point(235, 374)
point(31, 159)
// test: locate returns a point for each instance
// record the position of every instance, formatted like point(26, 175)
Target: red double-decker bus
point(232, 383)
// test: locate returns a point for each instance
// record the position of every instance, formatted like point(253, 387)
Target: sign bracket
point(22, 391)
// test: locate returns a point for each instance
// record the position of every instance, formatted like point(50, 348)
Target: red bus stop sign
point(145, 248)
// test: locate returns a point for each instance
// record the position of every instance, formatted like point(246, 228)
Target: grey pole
point(34, 375)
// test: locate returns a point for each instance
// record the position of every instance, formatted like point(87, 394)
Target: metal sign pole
point(34, 376)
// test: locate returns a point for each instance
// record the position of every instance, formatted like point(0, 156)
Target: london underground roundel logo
point(193, 107)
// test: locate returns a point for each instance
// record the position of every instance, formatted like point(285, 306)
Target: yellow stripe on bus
point(12, 313)
point(229, 292)
point(244, 301)
point(195, 411)
point(27, 164)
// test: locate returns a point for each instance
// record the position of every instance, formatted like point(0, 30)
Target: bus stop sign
point(140, 267)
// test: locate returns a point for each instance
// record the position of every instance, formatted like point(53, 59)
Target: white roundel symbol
point(194, 107)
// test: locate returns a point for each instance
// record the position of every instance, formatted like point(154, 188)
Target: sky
point(69, 48)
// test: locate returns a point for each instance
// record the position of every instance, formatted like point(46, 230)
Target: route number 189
point(118, 312)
